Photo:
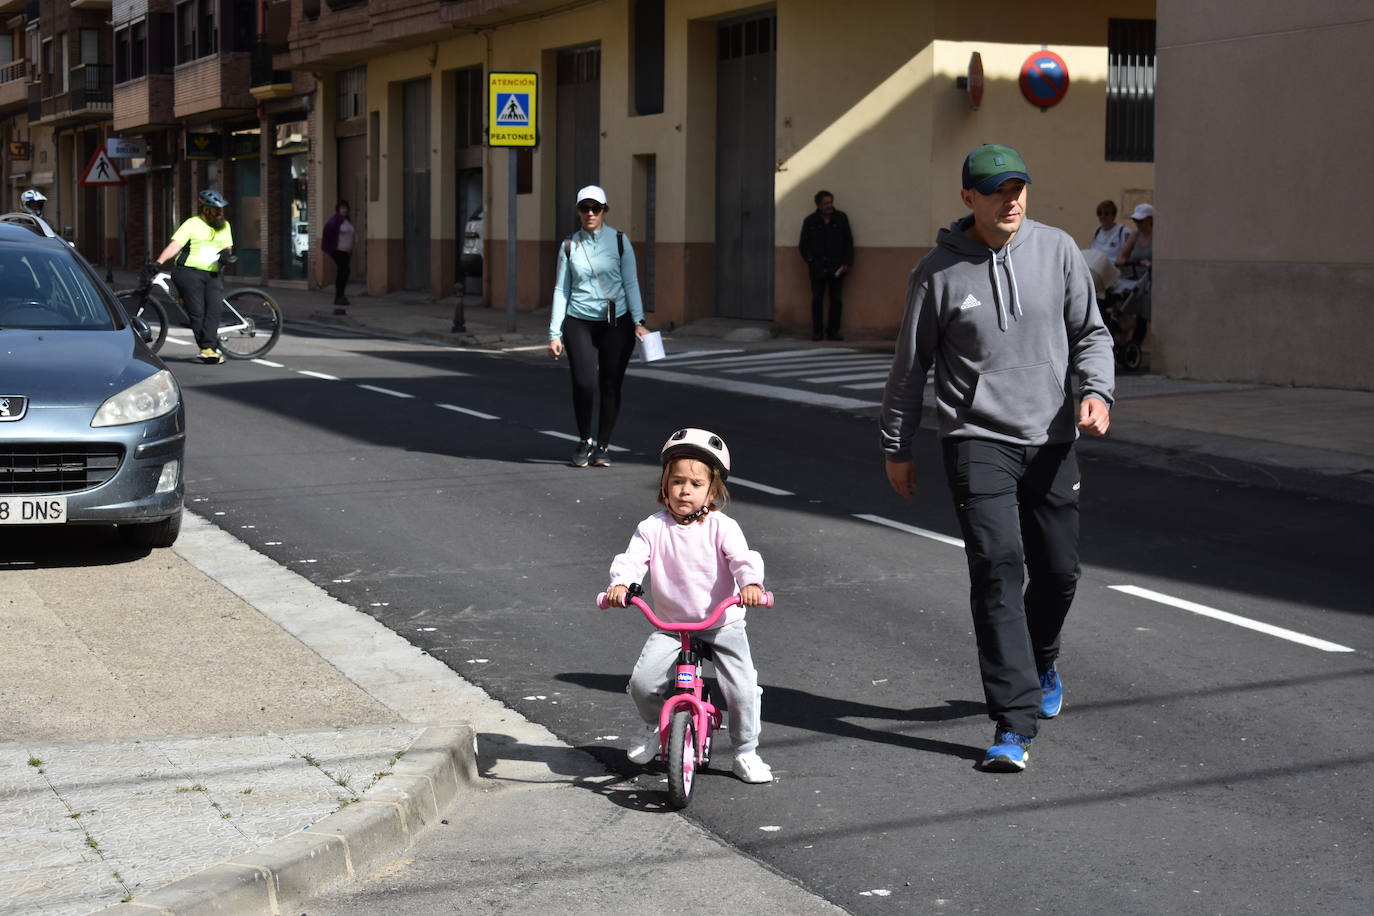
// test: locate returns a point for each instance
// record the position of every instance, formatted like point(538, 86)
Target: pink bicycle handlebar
point(681, 627)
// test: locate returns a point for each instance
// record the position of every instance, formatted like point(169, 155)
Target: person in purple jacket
point(337, 242)
point(695, 556)
point(1003, 309)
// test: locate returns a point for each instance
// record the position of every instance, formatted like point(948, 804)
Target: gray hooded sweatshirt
point(1003, 329)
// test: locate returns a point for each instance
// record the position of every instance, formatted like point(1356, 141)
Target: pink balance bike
point(688, 718)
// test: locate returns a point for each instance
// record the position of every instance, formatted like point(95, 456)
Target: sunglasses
point(590, 208)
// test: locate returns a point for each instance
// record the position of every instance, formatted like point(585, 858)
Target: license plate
point(33, 510)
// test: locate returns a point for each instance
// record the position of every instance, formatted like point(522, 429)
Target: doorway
point(415, 183)
point(745, 101)
point(578, 131)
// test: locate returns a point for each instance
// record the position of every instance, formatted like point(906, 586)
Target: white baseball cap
point(591, 192)
point(1143, 211)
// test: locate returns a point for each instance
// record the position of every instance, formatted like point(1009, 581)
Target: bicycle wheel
point(249, 324)
point(153, 313)
point(682, 758)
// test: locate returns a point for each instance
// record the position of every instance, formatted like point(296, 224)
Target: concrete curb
point(439, 765)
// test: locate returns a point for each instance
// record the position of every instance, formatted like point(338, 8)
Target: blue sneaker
point(1008, 753)
point(1051, 694)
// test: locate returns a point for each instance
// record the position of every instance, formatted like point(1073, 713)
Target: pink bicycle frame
point(705, 716)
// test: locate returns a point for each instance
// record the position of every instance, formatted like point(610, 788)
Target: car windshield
point(47, 290)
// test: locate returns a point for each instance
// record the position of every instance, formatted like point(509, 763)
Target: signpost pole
point(512, 186)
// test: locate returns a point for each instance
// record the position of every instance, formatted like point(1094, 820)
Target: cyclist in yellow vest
point(197, 246)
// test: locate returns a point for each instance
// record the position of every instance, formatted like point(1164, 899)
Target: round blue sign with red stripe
point(1044, 79)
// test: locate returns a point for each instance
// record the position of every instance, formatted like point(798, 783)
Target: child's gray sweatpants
point(652, 680)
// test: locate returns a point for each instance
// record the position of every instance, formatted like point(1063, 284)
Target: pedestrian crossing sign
point(101, 171)
point(511, 104)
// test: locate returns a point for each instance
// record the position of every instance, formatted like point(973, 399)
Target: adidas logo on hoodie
point(970, 301)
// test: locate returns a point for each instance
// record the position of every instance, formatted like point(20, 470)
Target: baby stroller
point(1126, 312)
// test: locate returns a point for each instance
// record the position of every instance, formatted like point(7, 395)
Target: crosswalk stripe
point(850, 366)
point(858, 377)
point(752, 358)
point(777, 392)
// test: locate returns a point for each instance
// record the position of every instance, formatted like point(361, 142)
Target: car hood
point(71, 368)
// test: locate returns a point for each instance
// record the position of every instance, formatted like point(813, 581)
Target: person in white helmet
point(696, 556)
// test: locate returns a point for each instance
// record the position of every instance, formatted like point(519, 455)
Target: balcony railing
point(15, 71)
point(89, 87)
point(31, 10)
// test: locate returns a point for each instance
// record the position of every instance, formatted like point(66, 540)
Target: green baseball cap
point(991, 164)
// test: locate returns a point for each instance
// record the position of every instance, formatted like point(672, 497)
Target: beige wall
point(866, 107)
point(1263, 138)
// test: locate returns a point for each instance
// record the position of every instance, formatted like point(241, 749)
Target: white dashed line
point(268, 362)
point(912, 529)
point(761, 487)
point(572, 438)
point(320, 375)
point(776, 392)
point(472, 413)
point(386, 391)
point(179, 340)
point(1226, 617)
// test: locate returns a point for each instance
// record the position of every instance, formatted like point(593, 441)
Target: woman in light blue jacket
point(597, 316)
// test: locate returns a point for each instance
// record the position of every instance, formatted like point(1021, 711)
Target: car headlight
point(154, 396)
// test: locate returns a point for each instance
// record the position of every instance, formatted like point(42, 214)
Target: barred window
point(1130, 90)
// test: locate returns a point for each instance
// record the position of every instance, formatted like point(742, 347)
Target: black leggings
point(598, 353)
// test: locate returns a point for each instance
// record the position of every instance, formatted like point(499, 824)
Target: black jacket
point(825, 246)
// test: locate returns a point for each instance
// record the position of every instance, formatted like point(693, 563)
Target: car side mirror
point(142, 328)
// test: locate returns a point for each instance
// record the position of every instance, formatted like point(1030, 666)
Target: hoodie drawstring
point(997, 288)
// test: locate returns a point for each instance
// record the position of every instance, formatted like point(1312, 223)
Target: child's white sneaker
point(644, 745)
point(751, 768)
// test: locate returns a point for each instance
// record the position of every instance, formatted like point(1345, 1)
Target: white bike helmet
point(697, 443)
point(32, 198)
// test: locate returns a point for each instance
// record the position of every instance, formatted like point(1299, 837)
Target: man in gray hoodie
point(1004, 310)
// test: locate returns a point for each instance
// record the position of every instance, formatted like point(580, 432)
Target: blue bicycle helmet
point(212, 198)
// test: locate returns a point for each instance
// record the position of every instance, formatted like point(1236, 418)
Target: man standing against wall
point(827, 247)
point(1003, 340)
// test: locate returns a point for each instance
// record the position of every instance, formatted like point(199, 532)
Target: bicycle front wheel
point(148, 308)
point(682, 759)
point(249, 324)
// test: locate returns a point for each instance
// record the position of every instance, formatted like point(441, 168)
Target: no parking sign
point(1044, 79)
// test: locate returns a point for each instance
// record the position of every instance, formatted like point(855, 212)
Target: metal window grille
point(351, 98)
point(1130, 90)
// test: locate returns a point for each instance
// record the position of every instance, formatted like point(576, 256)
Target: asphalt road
point(1200, 766)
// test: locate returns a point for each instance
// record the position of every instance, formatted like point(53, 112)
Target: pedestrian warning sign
point(101, 170)
point(510, 109)
point(512, 100)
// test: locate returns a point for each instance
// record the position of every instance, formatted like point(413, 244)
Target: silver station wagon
point(92, 428)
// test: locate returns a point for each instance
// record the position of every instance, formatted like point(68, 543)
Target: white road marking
point(572, 438)
point(761, 487)
point(867, 386)
point(754, 358)
point(778, 393)
point(327, 378)
point(912, 529)
point(1226, 617)
point(698, 354)
point(844, 363)
point(268, 362)
point(856, 377)
point(180, 340)
point(472, 413)
point(388, 391)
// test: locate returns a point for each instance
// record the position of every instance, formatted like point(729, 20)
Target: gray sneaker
point(583, 456)
point(601, 458)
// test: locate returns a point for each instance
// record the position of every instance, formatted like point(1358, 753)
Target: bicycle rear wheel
point(682, 759)
point(147, 307)
point(249, 324)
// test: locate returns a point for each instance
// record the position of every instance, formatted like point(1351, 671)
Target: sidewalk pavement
point(199, 730)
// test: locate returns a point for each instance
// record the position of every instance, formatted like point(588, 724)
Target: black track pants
point(598, 353)
point(1018, 506)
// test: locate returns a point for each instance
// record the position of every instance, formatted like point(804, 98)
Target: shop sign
point(20, 149)
point(126, 147)
point(204, 146)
